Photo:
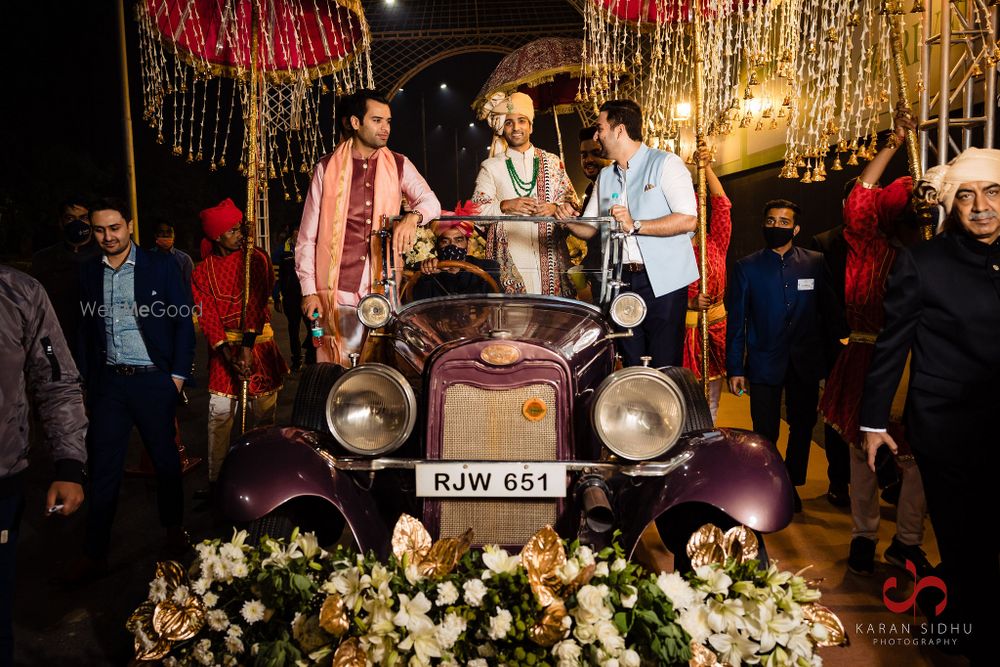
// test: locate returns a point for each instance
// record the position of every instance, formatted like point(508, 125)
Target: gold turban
point(974, 164)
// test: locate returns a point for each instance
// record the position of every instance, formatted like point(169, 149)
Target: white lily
point(422, 639)
point(499, 561)
point(734, 649)
point(412, 610)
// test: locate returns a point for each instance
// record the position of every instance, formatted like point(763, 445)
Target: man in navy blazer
point(782, 310)
point(137, 342)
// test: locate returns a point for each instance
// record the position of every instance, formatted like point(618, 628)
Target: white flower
point(618, 565)
point(181, 594)
point(234, 645)
point(412, 610)
point(819, 632)
point(768, 625)
point(500, 624)
point(734, 648)
point(609, 637)
point(585, 633)
point(499, 561)
point(569, 570)
point(475, 590)
point(477, 662)
point(695, 623)
point(210, 599)
point(422, 639)
point(677, 590)
point(201, 585)
point(308, 543)
point(602, 569)
point(716, 580)
point(630, 658)
point(231, 552)
point(158, 589)
point(217, 620)
point(568, 652)
point(726, 616)
point(413, 575)
point(450, 629)
point(629, 596)
point(234, 631)
point(585, 556)
point(799, 642)
point(447, 594)
point(349, 584)
point(252, 611)
point(203, 652)
point(590, 604)
point(240, 569)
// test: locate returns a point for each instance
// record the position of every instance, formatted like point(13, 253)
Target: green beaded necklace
point(522, 188)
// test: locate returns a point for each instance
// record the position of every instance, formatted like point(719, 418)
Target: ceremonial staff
point(250, 218)
point(699, 130)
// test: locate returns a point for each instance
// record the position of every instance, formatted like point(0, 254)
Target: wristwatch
point(636, 226)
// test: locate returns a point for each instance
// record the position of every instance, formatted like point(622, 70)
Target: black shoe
point(861, 560)
point(796, 501)
point(838, 496)
point(898, 553)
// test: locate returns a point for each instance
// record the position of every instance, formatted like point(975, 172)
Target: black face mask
point(775, 237)
point(76, 231)
point(452, 253)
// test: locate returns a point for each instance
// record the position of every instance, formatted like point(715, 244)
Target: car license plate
point(491, 480)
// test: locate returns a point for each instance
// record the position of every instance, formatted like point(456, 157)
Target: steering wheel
point(450, 264)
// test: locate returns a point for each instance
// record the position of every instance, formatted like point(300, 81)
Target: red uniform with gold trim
point(217, 284)
point(869, 259)
point(720, 230)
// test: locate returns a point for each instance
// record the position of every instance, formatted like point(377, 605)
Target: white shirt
point(680, 198)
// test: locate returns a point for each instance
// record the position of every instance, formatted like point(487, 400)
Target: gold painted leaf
point(445, 554)
point(172, 573)
point(177, 622)
point(818, 614)
point(702, 656)
point(705, 546)
point(740, 544)
point(333, 616)
point(542, 557)
point(350, 654)
point(410, 538)
point(549, 629)
point(142, 620)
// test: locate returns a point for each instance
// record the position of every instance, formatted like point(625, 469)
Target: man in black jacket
point(942, 307)
point(35, 364)
point(453, 244)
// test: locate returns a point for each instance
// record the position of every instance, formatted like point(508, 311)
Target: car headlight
point(628, 310)
point(375, 311)
point(638, 413)
point(371, 409)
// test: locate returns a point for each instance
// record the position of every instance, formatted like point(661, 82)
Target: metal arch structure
point(409, 35)
point(961, 56)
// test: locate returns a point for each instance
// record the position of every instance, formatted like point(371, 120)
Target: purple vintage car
point(503, 413)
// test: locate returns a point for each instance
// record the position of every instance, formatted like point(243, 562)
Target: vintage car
point(503, 413)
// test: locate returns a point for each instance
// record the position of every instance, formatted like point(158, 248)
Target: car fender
point(271, 466)
point(736, 471)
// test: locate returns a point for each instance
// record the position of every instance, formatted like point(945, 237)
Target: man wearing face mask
point(453, 245)
point(57, 267)
point(781, 309)
point(164, 243)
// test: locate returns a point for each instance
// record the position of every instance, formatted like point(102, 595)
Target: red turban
point(893, 200)
point(218, 220)
point(450, 219)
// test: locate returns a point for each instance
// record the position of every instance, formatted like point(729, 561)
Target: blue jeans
point(11, 509)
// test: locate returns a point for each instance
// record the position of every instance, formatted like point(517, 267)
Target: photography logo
point(919, 584)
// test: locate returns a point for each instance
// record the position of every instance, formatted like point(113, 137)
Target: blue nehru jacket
point(669, 260)
point(774, 316)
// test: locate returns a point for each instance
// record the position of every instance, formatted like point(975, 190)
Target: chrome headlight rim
point(406, 391)
point(624, 375)
point(378, 302)
point(616, 303)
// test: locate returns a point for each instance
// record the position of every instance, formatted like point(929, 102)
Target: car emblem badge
point(534, 409)
point(500, 354)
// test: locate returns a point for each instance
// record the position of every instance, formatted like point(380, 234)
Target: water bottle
point(316, 329)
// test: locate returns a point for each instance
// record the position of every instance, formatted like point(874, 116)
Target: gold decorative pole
point(903, 103)
point(250, 219)
point(699, 130)
point(127, 123)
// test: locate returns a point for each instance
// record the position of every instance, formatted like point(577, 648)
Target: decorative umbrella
point(281, 56)
point(548, 70)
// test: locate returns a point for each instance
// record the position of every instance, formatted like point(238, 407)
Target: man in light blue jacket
point(649, 192)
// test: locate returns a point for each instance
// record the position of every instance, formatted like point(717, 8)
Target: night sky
point(62, 130)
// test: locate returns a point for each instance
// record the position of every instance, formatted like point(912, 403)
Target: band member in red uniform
point(877, 221)
point(217, 284)
point(720, 228)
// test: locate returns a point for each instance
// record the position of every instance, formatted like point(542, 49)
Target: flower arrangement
point(443, 603)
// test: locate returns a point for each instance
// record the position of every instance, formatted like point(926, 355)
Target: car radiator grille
point(488, 425)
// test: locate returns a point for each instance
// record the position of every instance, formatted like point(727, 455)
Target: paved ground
point(86, 626)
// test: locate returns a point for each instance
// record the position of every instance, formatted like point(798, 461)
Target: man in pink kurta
point(338, 255)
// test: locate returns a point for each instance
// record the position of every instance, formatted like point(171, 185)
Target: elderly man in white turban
point(525, 180)
point(942, 306)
